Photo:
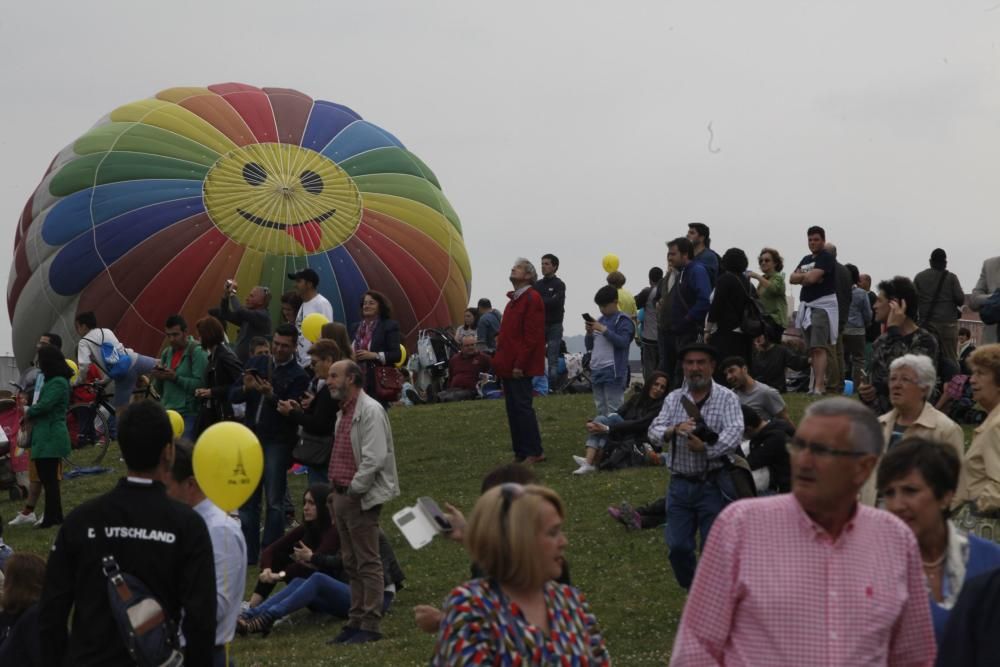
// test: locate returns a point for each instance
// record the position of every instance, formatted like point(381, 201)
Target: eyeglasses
point(761, 260)
point(796, 445)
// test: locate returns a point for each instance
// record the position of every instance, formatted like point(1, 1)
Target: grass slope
point(443, 451)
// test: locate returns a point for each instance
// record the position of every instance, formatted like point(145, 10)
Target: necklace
point(936, 564)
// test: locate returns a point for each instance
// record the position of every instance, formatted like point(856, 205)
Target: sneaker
point(414, 396)
point(41, 520)
point(363, 637)
point(22, 519)
point(579, 460)
point(614, 513)
point(585, 469)
point(629, 517)
point(344, 635)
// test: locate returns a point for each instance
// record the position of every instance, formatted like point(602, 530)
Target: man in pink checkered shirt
point(811, 577)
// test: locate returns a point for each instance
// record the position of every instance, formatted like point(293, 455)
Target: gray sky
point(581, 128)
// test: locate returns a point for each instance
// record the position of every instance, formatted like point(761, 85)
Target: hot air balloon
point(153, 209)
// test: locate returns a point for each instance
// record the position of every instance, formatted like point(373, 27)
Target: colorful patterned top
point(482, 627)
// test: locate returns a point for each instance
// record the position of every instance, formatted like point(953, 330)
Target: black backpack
point(149, 634)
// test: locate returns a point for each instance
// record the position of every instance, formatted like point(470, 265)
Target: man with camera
point(700, 425)
point(253, 317)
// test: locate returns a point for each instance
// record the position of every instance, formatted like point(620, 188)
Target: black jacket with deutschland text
point(159, 540)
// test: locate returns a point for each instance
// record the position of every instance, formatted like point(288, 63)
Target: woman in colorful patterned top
point(517, 614)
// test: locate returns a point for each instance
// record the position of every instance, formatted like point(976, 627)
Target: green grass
point(443, 451)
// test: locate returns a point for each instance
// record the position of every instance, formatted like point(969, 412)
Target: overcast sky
point(581, 128)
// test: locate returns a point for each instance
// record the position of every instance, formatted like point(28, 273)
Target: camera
point(704, 433)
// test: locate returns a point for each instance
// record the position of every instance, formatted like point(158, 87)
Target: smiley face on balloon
point(282, 198)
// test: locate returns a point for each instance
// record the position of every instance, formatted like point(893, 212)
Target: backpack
point(989, 312)
point(753, 321)
point(115, 361)
point(149, 634)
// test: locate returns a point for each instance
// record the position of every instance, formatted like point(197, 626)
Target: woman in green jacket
point(49, 435)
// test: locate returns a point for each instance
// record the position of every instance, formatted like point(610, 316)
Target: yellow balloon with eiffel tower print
point(228, 463)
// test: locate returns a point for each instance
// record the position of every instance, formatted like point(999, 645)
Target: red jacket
point(521, 341)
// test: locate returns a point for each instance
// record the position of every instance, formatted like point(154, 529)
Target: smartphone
point(430, 507)
point(587, 318)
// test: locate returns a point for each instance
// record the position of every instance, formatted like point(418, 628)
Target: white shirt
point(88, 350)
point(230, 550)
point(317, 304)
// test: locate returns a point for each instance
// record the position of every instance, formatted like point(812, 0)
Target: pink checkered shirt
point(342, 463)
point(772, 588)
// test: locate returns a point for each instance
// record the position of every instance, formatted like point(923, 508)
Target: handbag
point(24, 435)
point(313, 450)
point(388, 383)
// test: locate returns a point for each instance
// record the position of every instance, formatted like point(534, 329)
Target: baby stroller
point(577, 374)
point(429, 366)
point(13, 464)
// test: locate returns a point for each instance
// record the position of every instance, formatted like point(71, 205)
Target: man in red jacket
point(520, 356)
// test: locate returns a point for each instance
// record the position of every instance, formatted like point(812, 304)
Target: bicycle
point(90, 426)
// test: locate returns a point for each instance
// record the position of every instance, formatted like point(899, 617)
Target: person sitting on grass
point(290, 557)
point(24, 579)
point(624, 428)
point(325, 590)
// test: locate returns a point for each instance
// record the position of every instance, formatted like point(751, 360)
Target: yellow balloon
point(73, 367)
point(610, 262)
point(228, 462)
point(402, 356)
point(176, 423)
point(312, 326)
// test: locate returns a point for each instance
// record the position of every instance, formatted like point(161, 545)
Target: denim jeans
point(317, 475)
point(277, 458)
point(691, 507)
point(598, 440)
point(553, 339)
point(608, 391)
point(320, 592)
point(524, 435)
point(126, 385)
point(190, 421)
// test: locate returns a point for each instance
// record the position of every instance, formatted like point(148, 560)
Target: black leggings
point(48, 474)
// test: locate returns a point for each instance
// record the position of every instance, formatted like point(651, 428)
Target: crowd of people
point(889, 473)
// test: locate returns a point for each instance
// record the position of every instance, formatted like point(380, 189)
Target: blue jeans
point(277, 458)
point(691, 507)
point(553, 339)
point(598, 440)
point(190, 421)
point(320, 592)
point(524, 435)
point(317, 475)
point(609, 392)
point(126, 385)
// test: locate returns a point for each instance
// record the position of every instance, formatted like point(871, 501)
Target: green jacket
point(49, 435)
point(179, 394)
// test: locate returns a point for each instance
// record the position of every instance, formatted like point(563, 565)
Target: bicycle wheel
point(89, 433)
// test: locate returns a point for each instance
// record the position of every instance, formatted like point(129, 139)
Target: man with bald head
point(363, 477)
point(794, 579)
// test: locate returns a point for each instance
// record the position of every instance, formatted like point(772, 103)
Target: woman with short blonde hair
point(517, 609)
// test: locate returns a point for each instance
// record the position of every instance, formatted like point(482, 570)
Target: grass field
point(443, 451)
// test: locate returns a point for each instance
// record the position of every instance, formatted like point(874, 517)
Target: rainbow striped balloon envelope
point(152, 210)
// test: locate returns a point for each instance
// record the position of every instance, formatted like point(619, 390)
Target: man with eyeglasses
point(699, 425)
point(811, 577)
